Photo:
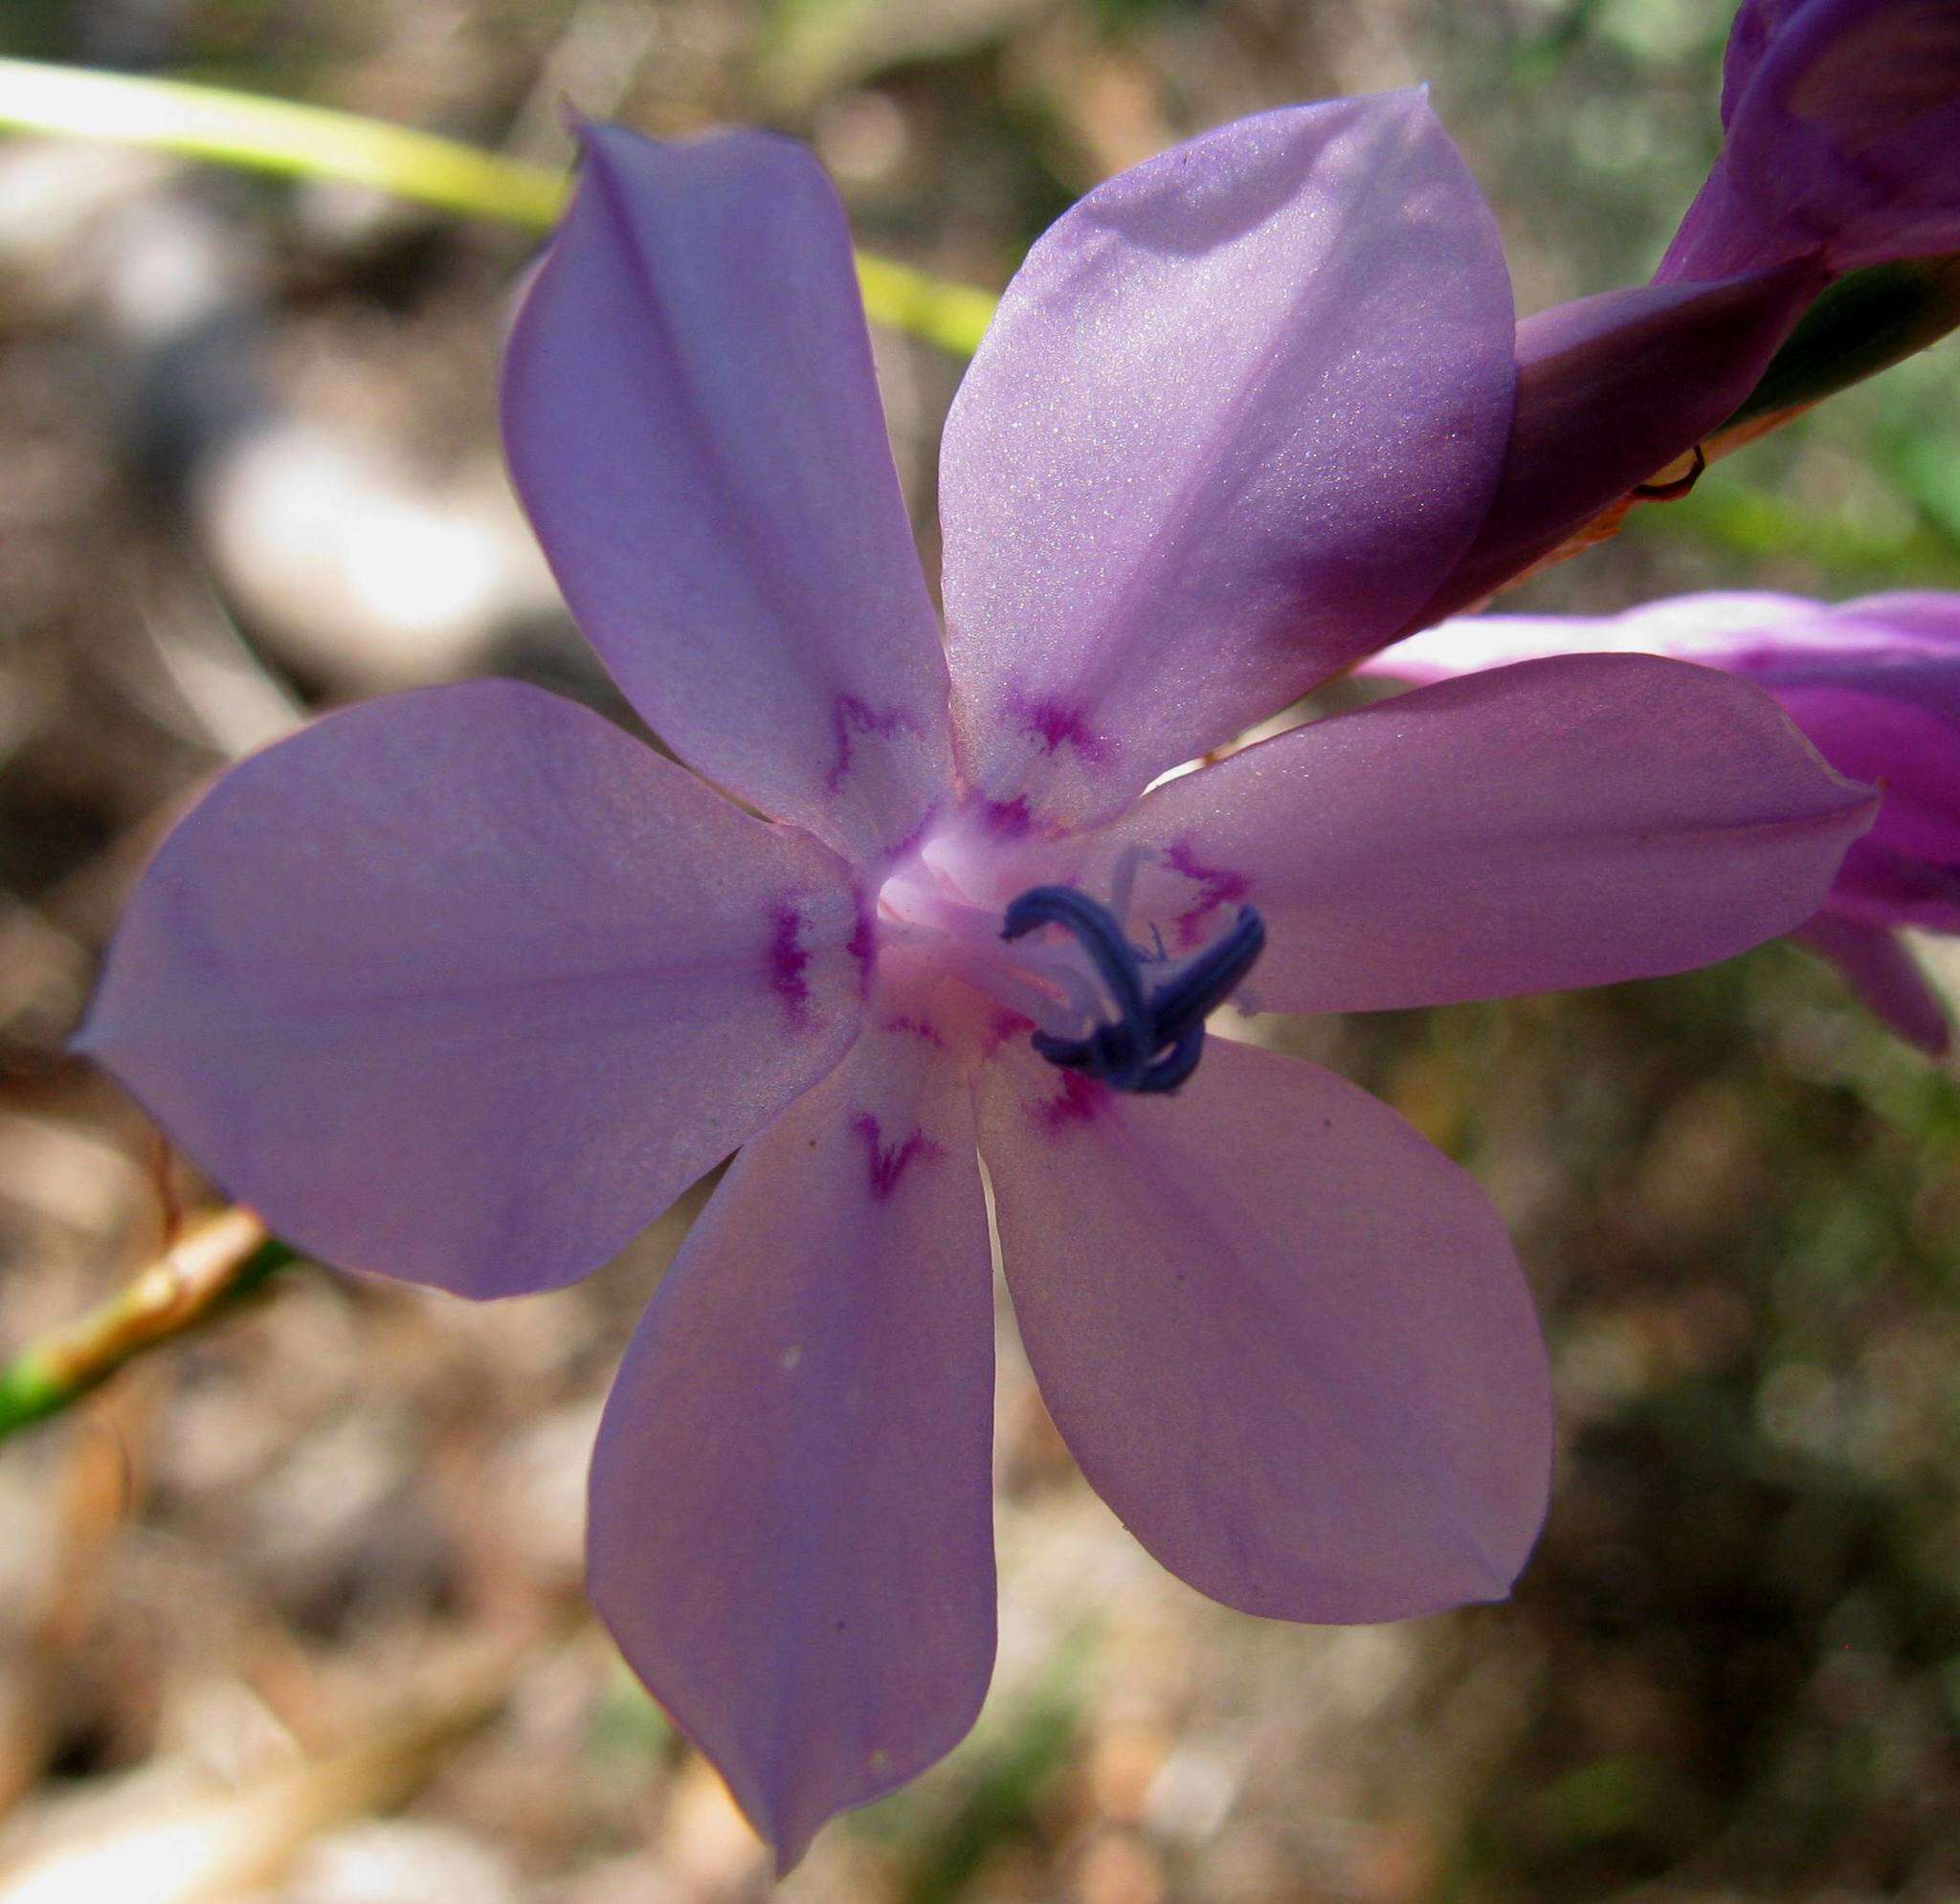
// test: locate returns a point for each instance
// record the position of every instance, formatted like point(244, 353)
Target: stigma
point(1155, 1033)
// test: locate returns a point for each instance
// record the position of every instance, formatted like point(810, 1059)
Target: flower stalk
point(218, 1259)
point(268, 134)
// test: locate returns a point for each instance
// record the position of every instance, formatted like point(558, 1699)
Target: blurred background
point(290, 1611)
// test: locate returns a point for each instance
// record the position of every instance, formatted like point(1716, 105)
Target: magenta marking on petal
point(1004, 1024)
point(915, 1028)
point(1056, 725)
point(1080, 1102)
point(1219, 886)
point(789, 961)
point(1008, 819)
point(850, 716)
point(887, 1164)
point(864, 946)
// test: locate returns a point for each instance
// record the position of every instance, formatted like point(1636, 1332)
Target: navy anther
point(1168, 1072)
point(1158, 1035)
point(1109, 1051)
point(1214, 974)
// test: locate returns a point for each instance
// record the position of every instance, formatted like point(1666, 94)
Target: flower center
point(1157, 1035)
point(1130, 1016)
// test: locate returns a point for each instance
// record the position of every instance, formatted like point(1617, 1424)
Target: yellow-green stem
point(311, 142)
point(218, 1258)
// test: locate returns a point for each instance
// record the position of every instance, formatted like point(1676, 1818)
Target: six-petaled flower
point(465, 986)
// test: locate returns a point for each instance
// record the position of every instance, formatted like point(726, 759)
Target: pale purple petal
point(1285, 1338)
point(1875, 962)
point(1610, 390)
point(1709, 627)
point(466, 985)
point(1841, 121)
point(791, 1500)
point(1565, 822)
point(1241, 409)
point(1908, 614)
point(1907, 642)
point(692, 424)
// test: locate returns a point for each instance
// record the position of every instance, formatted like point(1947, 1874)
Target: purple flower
point(1876, 686)
point(1841, 121)
point(467, 986)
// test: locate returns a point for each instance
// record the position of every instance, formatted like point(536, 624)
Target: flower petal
point(1842, 123)
point(693, 427)
point(1768, 637)
point(1610, 390)
point(1929, 617)
point(791, 1501)
point(1563, 822)
point(1241, 409)
point(466, 985)
point(1709, 627)
point(1874, 962)
point(1285, 1338)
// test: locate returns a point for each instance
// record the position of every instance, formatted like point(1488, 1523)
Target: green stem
point(311, 142)
point(219, 1260)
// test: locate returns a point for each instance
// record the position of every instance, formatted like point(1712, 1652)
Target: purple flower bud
point(1841, 150)
point(1840, 125)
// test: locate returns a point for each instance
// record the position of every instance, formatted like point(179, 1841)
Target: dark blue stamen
point(1214, 974)
point(1158, 1035)
point(1168, 1072)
